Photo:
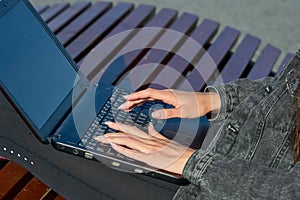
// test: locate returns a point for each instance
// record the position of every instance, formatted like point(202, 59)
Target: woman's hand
point(152, 149)
point(186, 104)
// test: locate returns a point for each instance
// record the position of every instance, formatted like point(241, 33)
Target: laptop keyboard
point(138, 117)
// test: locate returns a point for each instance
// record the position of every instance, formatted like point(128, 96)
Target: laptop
point(57, 102)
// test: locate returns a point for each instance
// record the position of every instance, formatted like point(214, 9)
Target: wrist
point(184, 159)
point(178, 166)
point(214, 102)
point(209, 102)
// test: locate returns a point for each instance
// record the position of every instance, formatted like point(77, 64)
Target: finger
point(122, 135)
point(166, 96)
point(130, 142)
point(102, 139)
point(131, 130)
point(167, 113)
point(131, 153)
point(150, 141)
point(108, 135)
point(135, 105)
point(154, 133)
point(144, 94)
point(129, 104)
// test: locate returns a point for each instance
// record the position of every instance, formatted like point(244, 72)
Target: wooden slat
point(202, 35)
point(53, 11)
point(207, 66)
point(264, 63)
point(285, 61)
point(97, 31)
point(184, 24)
point(12, 179)
point(135, 19)
point(239, 60)
point(67, 15)
point(161, 20)
point(34, 190)
point(42, 9)
point(79, 24)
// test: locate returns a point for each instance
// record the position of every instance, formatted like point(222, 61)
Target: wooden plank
point(53, 11)
point(264, 63)
point(284, 62)
point(184, 24)
point(34, 190)
point(138, 45)
point(78, 25)
point(97, 31)
point(202, 35)
point(239, 60)
point(210, 61)
point(67, 16)
point(135, 19)
point(12, 179)
point(42, 9)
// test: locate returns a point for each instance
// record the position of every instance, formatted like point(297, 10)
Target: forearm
point(214, 102)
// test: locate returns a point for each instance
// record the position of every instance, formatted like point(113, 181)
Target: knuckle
point(149, 91)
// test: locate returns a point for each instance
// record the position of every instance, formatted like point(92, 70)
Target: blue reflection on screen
point(33, 69)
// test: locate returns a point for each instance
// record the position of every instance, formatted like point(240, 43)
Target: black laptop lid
point(36, 73)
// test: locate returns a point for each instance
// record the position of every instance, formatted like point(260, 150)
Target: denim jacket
point(251, 156)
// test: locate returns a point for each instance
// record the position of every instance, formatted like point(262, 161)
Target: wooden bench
point(82, 26)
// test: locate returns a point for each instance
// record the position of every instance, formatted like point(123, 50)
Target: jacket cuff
point(229, 99)
point(196, 166)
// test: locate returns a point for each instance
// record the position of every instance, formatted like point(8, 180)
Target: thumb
point(167, 113)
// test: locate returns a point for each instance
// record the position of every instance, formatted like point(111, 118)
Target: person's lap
point(71, 176)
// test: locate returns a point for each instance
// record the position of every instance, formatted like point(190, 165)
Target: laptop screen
point(33, 70)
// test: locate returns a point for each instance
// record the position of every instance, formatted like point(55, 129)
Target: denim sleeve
point(231, 94)
point(232, 178)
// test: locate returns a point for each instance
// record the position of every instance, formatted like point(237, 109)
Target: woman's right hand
point(186, 104)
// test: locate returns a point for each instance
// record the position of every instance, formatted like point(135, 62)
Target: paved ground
point(274, 21)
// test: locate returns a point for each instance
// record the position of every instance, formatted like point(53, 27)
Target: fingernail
point(108, 123)
point(113, 145)
point(121, 106)
point(101, 138)
point(125, 96)
point(156, 115)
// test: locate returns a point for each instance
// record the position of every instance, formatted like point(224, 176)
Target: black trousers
point(70, 176)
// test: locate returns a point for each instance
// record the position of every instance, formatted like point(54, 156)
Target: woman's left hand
point(153, 149)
